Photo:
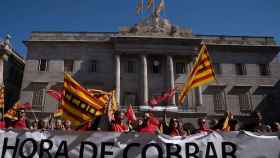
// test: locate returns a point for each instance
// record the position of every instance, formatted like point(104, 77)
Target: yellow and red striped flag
point(115, 105)
point(150, 4)
point(226, 126)
point(160, 7)
point(201, 73)
point(58, 113)
point(2, 96)
point(105, 97)
point(78, 105)
point(12, 112)
point(101, 95)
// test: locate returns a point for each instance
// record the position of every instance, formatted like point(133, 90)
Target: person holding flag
point(130, 114)
point(131, 117)
point(21, 122)
point(17, 115)
point(117, 124)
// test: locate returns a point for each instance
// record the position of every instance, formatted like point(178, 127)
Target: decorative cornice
point(156, 26)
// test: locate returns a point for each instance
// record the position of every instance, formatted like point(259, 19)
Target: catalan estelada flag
point(201, 73)
point(2, 96)
point(77, 104)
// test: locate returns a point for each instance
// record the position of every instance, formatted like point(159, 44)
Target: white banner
point(50, 144)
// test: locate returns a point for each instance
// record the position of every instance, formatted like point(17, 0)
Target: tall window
point(156, 66)
point(130, 67)
point(219, 102)
point(68, 65)
point(129, 98)
point(264, 69)
point(244, 102)
point(217, 68)
point(240, 69)
point(43, 65)
point(93, 66)
point(38, 95)
point(181, 68)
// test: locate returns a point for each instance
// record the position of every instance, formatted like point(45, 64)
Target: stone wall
point(82, 47)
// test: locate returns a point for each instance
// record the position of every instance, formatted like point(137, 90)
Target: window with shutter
point(244, 102)
point(219, 102)
point(43, 65)
point(240, 69)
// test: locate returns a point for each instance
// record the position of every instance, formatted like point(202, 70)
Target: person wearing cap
point(21, 122)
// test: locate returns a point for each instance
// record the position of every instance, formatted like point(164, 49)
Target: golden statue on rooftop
point(152, 23)
point(151, 6)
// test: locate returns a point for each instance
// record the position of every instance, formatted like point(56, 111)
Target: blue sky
point(236, 17)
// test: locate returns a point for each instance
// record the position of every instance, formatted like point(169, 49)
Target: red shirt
point(116, 127)
point(204, 130)
point(2, 124)
point(175, 132)
point(149, 129)
point(152, 126)
point(21, 124)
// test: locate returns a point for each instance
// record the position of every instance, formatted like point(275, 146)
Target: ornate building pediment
point(156, 26)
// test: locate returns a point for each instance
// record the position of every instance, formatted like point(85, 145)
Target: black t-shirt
point(102, 123)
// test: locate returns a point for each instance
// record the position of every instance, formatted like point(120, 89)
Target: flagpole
point(36, 119)
point(154, 6)
point(142, 9)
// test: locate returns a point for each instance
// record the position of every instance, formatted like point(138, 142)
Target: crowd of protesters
point(119, 122)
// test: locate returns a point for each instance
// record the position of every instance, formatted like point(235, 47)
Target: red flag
point(12, 112)
point(130, 114)
point(168, 94)
point(57, 95)
point(153, 101)
point(165, 97)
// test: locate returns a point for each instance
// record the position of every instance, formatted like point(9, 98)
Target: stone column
point(118, 78)
point(145, 80)
point(198, 96)
point(171, 73)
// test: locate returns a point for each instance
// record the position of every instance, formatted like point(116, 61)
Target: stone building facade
point(144, 61)
point(11, 72)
